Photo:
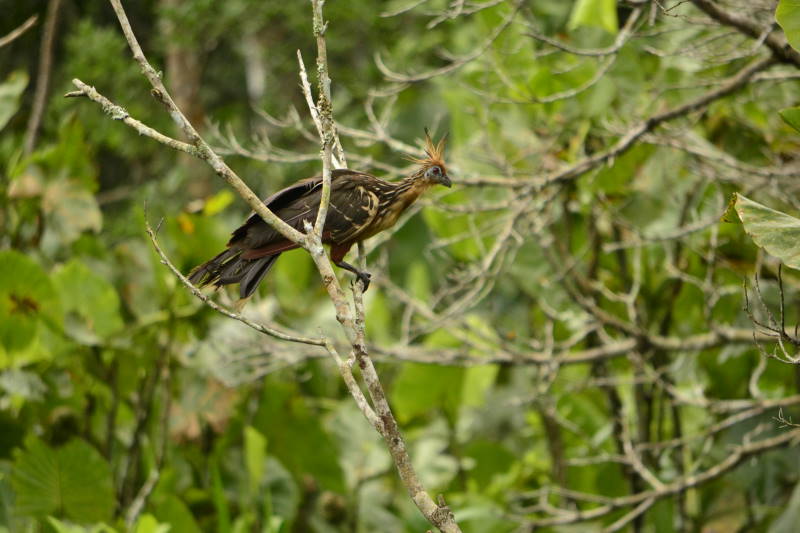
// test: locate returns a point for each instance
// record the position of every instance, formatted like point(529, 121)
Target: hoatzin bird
point(361, 205)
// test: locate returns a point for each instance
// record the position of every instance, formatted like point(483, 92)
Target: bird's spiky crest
point(435, 152)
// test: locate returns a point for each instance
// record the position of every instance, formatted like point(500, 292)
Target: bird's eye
point(434, 171)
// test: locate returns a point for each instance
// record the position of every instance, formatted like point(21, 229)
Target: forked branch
point(352, 321)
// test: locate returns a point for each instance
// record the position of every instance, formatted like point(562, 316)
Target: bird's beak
point(445, 180)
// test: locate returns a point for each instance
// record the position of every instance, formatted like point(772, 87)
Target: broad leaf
point(10, 91)
point(420, 388)
point(600, 13)
point(72, 482)
point(788, 16)
point(790, 517)
point(776, 232)
point(255, 456)
point(91, 299)
point(174, 512)
point(68, 527)
point(27, 298)
point(791, 116)
point(148, 524)
point(72, 209)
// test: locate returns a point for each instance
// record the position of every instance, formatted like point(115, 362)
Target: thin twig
point(261, 328)
point(42, 76)
point(16, 33)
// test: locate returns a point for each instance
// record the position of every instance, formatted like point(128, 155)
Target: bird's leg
point(338, 251)
point(363, 276)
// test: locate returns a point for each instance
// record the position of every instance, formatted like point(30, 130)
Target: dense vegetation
point(570, 337)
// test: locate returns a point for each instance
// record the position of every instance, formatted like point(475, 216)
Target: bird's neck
point(410, 188)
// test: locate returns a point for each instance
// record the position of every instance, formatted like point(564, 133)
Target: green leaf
point(92, 298)
point(68, 527)
point(255, 456)
point(73, 482)
point(420, 388)
point(380, 323)
point(599, 13)
point(10, 91)
point(776, 232)
point(296, 436)
point(477, 381)
point(148, 524)
point(174, 512)
point(72, 209)
point(791, 116)
point(788, 16)
point(218, 202)
point(788, 520)
point(27, 298)
point(223, 513)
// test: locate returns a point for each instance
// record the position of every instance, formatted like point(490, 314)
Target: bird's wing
point(294, 205)
point(353, 209)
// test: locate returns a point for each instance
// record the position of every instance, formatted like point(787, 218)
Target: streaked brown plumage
point(361, 205)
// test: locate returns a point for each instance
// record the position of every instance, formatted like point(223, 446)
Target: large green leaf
point(776, 232)
point(791, 116)
point(68, 527)
point(90, 299)
point(27, 298)
point(600, 13)
point(420, 388)
point(10, 91)
point(72, 482)
point(174, 512)
point(296, 436)
point(788, 16)
point(71, 209)
point(255, 457)
point(790, 517)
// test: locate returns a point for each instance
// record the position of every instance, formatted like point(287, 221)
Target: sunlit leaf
point(147, 523)
point(776, 232)
point(600, 13)
point(218, 202)
point(67, 527)
point(255, 454)
point(788, 16)
point(10, 91)
point(27, 299)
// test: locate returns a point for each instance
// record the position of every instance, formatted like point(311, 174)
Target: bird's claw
point(364, 278)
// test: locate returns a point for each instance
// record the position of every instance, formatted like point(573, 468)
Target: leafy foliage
point(73, 481)
point(570, 299)
point(776, 232)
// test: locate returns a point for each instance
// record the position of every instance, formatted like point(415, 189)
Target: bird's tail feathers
point(209, 272)
point(229, 267)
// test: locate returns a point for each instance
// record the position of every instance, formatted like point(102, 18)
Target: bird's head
point(432, 169)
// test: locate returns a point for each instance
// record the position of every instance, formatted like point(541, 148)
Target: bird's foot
point(364, 277)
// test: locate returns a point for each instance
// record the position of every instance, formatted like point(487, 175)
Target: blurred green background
point(528, 335)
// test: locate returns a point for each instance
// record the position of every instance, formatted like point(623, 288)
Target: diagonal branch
point(261, 328)
point(16, 33)
point(628, 140)
point(776, 43)
point(204, 151)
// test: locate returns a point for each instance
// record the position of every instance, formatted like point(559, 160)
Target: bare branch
point(43, 75)
point(272, 332)
point(204, 151)
point(19, 31)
